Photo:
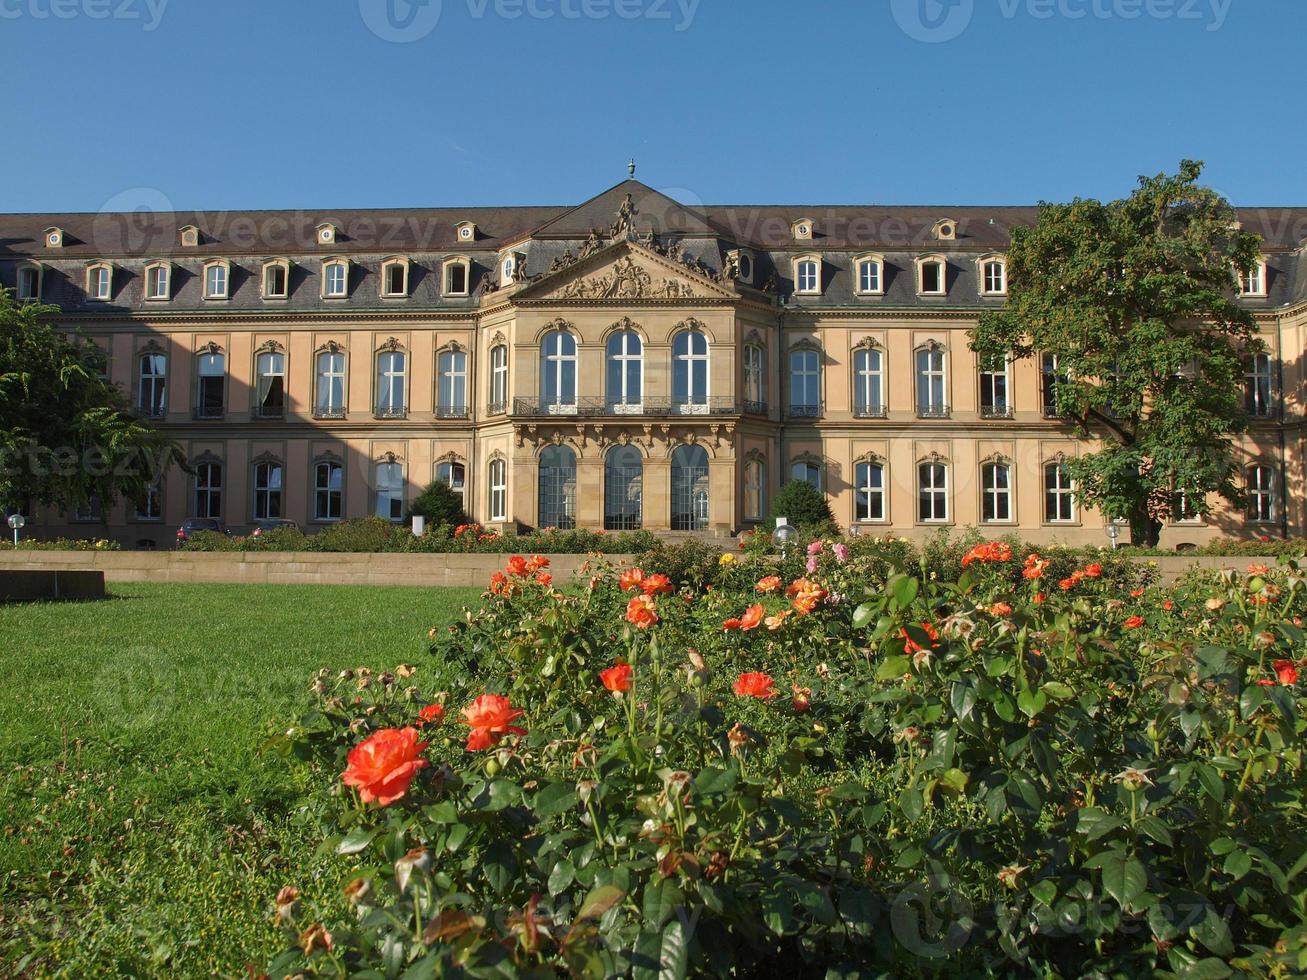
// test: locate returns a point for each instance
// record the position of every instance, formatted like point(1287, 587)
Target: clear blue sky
point(299, 104)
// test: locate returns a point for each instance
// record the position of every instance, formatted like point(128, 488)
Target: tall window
point(208, 490)
point(1059, 496)
point(932, 492)
point(930, 383)
point(805, 383)
point(1261, 494)
point(394, 278)
point(809, 471)
point(1257, 387)
point(755, 489)
point(869, 276)
point(335, 279)
point(212, 378)
point(328, 491)
point(755, 379)
point(498, 379)
point(267, 490)
point(389, 491)
point(152, 395)
point(1253, 282)
point(996, 492)
point(558, 373)
point(276, 279)
point(456, 279)
point(156, 282)
point(869, 492)
point(150, 506)
point(690, 372)
point(994, 402)
point(623, 489)
point(809, 276)
point(932, 277)
point(215, 281)
point(557, 492)
point(625, 371)
point(498, 490)
point(99, 282)
point(29, 282)
point(1049, 376)
point(452, 397)
point(329, 397)
point(994, 277)
point(391, 381)
point(453, 475)
point(868, 383)
point(689, 488)
point(270, 372)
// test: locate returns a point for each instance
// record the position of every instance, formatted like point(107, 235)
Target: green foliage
point(439, 504)
point(1135, 299)
point(63, 544)
point(66, 433)
point(804, 505)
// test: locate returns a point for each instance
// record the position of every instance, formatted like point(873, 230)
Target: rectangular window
point(451, 400)
point(996, 492)
point(805, 384)
point(498, 379)
point(337, 279)
point(274, 282)
point(390, 491)
point(1048, 377)
point(932, 277)
point(931, 402)
point(808, 472)
point(391, 384)
point(755, 380)
point(868, 383)
point(1253, 282)
point(456, 278)
point(270, 369)
point(156, 282)
point(396, 279)
point(152, 390)
point(99, 282)
point(211, 388)
point(29, 283)
point(932, 492)
point(215, 282)
point(498, 490)
point(1258, 388)
point(330, 400)
point(809, 276)
point(994, 391)
point(89, 510)
point(995, 278)
point(267, 491)
point(1059, 498)
point(754, 491)
point(869, 277)
point(208, 490)
point(150, 506)
point(328, 491)
point(1261, 495)
point(869, 494)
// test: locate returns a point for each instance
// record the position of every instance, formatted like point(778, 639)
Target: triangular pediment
point(653, 210)
point(629, 270)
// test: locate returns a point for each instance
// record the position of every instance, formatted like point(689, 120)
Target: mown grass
point(142, 832)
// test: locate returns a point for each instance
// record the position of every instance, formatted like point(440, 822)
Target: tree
point(1135, 300)
point(439, 504)
point(803, 504)
point(67, 434)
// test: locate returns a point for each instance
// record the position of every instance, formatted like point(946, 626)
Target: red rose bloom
point(617, 678)
point(1093, 570)
point(517, 566)
point(1066, 584)
point(1000, 609)
point(731, 624)
point(545, 579)
point(488, 717)
point(1039, 598)
point(655, 583)
point(640, 612)
point(802, 699)
point(1134, 622)
point(383, 764)
point(752, 617)
point(770, 583)
point(432, 712)
point(911, 646)
point(1286, 672)
point(631, 579)
point(755, 686)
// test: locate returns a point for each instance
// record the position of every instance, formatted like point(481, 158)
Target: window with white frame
point(994, 403)
point(267, 490)
point(625, 371)
point(1258, 387)
point(932, 492)
point(868, 382)
point(993, 277)
point(690, 372)
point(457, 277)
point(931, 383)
point(157, 279)
point(870, 273)
point(276, 280)
point(755, 379)
point(498, 490)
point(1261, 494)
point(152, 385)
point(996, 492)
point(1185, 509)
point(931, 277)
point(1059, 494)
point(807, 470)
point(507, 269)
point(558, 372)
point(392, 378)
point(270, 384)
point(808, 276)
point(869, 491)
point(29, 282)
point(329, 390)
point(451, 397)
point(149, 507)
point(1253, 282)
point(389, 491)
point(328, 490)
point(755, 489)
point(335, 280)
point(394, 278)
point(215, 280)
point(211, 385)
point(805, 383)
point(99, 282)
point(498, 379)
point(452, 474)
point(208, 490)
point(1049, 377)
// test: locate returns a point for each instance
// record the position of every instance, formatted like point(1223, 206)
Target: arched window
point(755, 379)
point(993, 277)
point(270, 377)
point(805, 383)
point(807, 470)
point(208, 490)
point(1258, 387)
point(389, 489)
point(99, 281)
point(931, 383)
point(216, 275)
point(869, 276)
point(394, 278)
point(29, 282)
point(625, 372)
point(498, 379)
point(392, 377)
point(557, 501)
point(457, 277)
point(158, 278)
point(152, 389)
point(335, 279)
point(328, 490)
point(689, 488)
point(453, 474)
point(558, 373)
point(211, 371)
point(451, 368)
point(996, 492)
point(1059, 494)
point(498, 490)
point(623, 489)
point(807, 276)
point(276, 279)
point(329, 396)
point(932, 492)
point(868, 383)
point(755, 489)
point(690, 372)
point(869, 492)
point(1261, 494)
point(1253, 282)
point(267, 490)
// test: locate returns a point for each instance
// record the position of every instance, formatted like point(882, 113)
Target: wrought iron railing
point(451, 411)
point(805, 411)
point(754, 408)
point(995, 411)
point(496, 408)
point(602, 408)
point(932, 411)
point(870, 412)
point(391, 413)
point(321, 412)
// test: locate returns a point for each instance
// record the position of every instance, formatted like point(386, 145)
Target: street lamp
point(1113, 532)
point(783, 534)
point(17, 522)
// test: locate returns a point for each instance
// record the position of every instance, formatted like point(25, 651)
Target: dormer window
point(802, 229)
point(993, 276)
point(217, 274)
point(512, 269)
point(931, 275)
point(869, 275)
point(326, 233)
point(29, 282)
point(99, 281)
point(457, 276)
point(739, 265)
point(190, 236)
point(335, 279)
point(945, 230)
point(466, 231)
point(807, 275)
point(54, 238)
point(158, 281)
point(394, 278)
point(276, 279)
point(1253, 282)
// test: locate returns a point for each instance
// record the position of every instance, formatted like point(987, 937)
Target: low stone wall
point(38, 585)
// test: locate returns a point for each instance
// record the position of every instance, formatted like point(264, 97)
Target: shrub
point(804, 505)
point(66, 544)
point(439, 504)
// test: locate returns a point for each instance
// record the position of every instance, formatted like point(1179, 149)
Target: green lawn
point(142, 832)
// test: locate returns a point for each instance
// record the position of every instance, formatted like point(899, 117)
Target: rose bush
point(860, 769)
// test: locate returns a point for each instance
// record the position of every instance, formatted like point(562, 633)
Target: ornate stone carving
point(269, 345)
point(391, 344)
point(625, 280)
point(624, 225)
point(486, 285)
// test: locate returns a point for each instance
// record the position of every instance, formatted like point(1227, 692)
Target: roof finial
point(630, 167)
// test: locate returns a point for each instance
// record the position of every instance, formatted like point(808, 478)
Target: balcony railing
point(754, 408)
point(1050, 412)
point(805, 411)
point(390, 413)
point(870, 412)
point(496, 408)
point(323, 412)
point(274, 412)
point(210, 412)
point(451, 412)
point(932, 411)
point(996, 411)
point(602, 408)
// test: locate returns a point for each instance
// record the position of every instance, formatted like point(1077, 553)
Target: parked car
point(273, 524)
point(193, 524)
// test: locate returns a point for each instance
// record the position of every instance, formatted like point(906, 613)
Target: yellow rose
point(726, 559)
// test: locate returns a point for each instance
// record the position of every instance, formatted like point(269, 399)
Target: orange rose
point(383, 764)
point(752, 617)
point(538, 562)
point(802, 699)
point(1134, 622)
point(655, 583)
point(631, 579)
point(910, 645)
point(1039, 598)
point(1093, 570)
point(731, 624)
point(640, 612)
point(1000, 609)
point(776, 622)
point(488, 717)
point(617, 678)
point(517, 566)
point(498, 583)
point(770, 583)
point(545, 579)
point(432, 712)
point(755, 685)
point(1286, 672)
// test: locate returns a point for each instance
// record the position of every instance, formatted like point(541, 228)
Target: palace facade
point(628, 362)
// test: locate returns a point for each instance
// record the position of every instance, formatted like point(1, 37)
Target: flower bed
point(862, 768)
point(67, 544)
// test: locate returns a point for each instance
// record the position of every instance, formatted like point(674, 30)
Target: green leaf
point(562, 876)
point(962, 697)
point(1211, 781)
point(1214, 933)
point(912, 803)
point(1155, 828)
point(892, 668)
point(600, 899)
point(1252, 698)
point(500, 865)
point(1032, 701)
point(862, 615)
point(662, 897)
point(1237, 864)
point(554, 799)
point(357, 839)
point(858, 909)
point(904, 589)
point(1058, 690)
point(662, 955)
point(1124, 877)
